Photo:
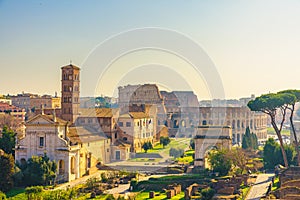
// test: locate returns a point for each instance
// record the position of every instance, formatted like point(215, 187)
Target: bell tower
point(70, 87)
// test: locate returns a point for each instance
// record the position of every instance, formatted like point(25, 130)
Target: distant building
point(47, 101)
point(17, 117)
point(31, 102)
point(239, 118)
point(5, 99)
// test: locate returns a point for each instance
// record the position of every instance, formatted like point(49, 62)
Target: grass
point(15, 191)
point(178, 143)
point(283, 132)
point(159, 196)
point(188, 157)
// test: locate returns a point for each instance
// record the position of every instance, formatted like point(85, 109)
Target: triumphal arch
point(210, 137)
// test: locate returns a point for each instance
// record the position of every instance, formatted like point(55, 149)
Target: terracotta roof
point(70, 66)
point(138, 115)
point(82, 135)
point(7, 107)
point(97, 112)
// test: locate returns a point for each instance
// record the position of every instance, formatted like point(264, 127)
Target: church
point(77, 150)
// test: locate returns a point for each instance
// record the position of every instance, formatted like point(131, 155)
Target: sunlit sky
point(254, 45)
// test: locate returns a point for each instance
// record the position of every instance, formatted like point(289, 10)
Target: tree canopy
point(38, 170)
point(272, 155)
point(6, 171)
point(7, 141)
point(269, 104)
point(249, 140)
point(146, 146)
point(219, 161)
point(164, 141)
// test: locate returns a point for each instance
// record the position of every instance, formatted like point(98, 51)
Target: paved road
point(260, 188)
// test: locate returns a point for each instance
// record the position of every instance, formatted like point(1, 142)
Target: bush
point(133, 183)
point(2, 196)
point(34, 189)
point(207, 193)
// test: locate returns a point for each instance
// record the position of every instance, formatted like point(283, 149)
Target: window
point(41, 141)
point(90, 121)
point(128, 124)
point(121, 124)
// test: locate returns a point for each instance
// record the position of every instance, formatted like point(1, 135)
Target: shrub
point(133, 183)
point(207, 193)
point(2, 196)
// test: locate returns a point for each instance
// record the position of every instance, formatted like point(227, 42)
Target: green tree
point(291, 107)
point(219, 161)
point(164, 141)
point(39, 170)
point(269, 104)
point(268, 154)
point(7, 141)
point(146, 146)
point(249, 140)
point(272, 154)
point(6, 171)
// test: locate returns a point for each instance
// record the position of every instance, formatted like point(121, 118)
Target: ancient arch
point(211, 136)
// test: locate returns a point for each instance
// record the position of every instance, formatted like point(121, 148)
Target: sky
point(245, 47)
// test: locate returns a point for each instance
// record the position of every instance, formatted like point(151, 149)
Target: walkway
point(261, 186)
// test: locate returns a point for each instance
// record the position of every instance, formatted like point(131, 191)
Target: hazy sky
point(254, 45)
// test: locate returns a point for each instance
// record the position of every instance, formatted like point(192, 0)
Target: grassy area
point(178, 143)
point(14, 192)
point(283, 132)
point(187, 158)
point(159, 196)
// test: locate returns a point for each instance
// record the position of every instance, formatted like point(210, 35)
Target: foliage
point(104, 177)
point(164, 141)
point(269, 104)
point(238, 158)
point(38, 170)
point(176, 152)
point(272, 154)
point(249, 140)
point(133, 183)
point(2, 196)
point(207, 193)
point(192, 144)
point(146, 146)
point(291, 107)
point(7, 141)
point(219, 161)
point(6, 171)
